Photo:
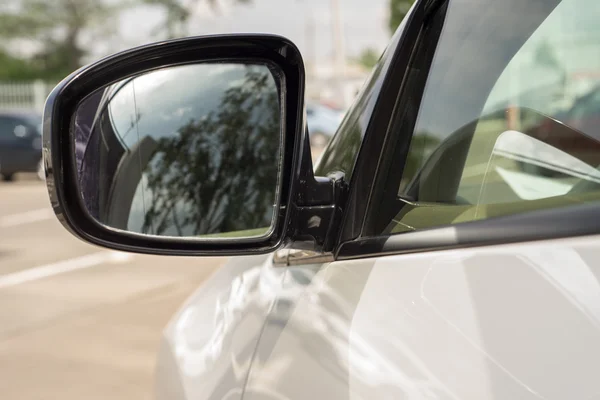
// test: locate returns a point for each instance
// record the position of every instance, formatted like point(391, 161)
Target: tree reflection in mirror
point(185, 151)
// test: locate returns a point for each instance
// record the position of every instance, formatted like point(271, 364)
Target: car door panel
point(304, 350)
point(508, 321)
point(512, 321)
point(207, 348)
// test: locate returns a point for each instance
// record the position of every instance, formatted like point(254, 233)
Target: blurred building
point(24, 95)
point(327, 84)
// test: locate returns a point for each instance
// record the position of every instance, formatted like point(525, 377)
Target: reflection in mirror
point(184, 151)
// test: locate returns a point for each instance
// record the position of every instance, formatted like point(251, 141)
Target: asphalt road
point(77, 321)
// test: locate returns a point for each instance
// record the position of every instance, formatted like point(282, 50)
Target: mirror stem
point(318, 207)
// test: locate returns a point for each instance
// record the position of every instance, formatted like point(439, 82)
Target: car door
point(462, 273)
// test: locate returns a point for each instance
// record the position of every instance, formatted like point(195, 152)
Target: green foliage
point(16, 69)
point(368, 58)
point(398, 10)
point(178, 13)
point(421, 146)
point(177, 16)
point(55, 30)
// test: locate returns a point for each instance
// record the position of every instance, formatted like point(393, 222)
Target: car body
point(493, 321)
point(20, 143)
point(449, 273)
point(322, 122)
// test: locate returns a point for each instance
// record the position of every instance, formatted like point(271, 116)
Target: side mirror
point(188, 147)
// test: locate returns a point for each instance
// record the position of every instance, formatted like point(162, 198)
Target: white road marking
point(61, 267)
point(26, 218)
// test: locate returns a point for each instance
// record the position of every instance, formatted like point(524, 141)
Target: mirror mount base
point(318, 208)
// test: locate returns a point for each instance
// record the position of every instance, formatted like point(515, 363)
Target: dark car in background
point(322, 122)
point(20, 143)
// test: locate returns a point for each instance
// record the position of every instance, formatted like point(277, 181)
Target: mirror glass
point(185, 151)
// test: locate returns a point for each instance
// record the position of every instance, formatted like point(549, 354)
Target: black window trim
point(404, 118)
point(368, 161)
point(555, 223)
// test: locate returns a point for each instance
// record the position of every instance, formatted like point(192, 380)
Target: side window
point(510, 117)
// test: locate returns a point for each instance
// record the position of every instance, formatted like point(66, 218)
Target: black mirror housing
point(58, 144)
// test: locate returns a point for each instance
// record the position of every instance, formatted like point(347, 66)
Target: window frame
point(375, 109)
point(568, 221)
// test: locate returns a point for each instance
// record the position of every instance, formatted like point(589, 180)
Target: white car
point(417, 260)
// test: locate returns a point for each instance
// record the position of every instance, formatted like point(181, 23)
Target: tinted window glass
point(509, 121)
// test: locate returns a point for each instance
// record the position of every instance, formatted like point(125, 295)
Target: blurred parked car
point(20, 143)
point(322, 122)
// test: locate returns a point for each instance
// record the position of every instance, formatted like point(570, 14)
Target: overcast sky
point(364, 21)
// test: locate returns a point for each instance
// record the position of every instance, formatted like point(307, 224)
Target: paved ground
point(77, 321)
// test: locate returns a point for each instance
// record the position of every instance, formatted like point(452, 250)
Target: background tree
point(55, 30)
point(61, 32)
point(179, 12)
point(398, 10)
point(368, 58)
point(16, 69)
